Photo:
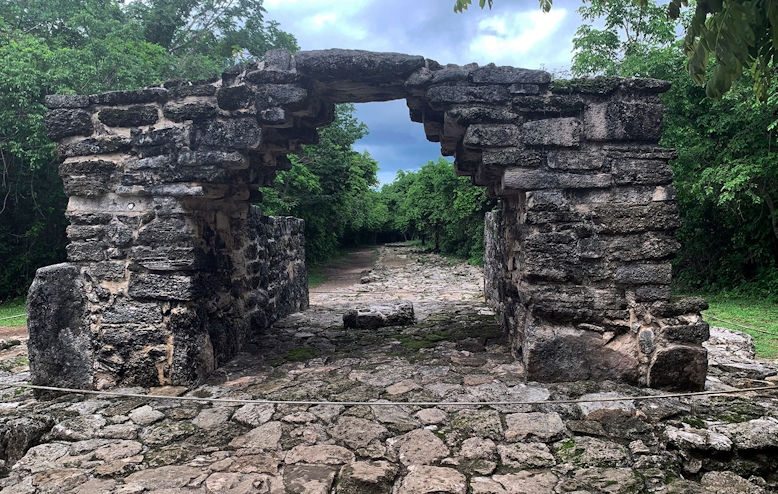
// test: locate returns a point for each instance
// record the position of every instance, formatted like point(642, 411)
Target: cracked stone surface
point(454, 353)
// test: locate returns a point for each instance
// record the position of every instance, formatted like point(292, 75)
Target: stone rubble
point(455, 352)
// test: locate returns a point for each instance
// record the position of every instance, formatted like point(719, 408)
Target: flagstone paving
point(451, 359)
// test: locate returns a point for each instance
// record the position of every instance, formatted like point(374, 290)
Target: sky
point(514, 32)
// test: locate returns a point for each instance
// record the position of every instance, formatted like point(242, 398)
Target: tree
point(90, 46)
point(330, 186)
point(736, 35)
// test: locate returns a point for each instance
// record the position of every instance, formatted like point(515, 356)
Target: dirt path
point(346, 271)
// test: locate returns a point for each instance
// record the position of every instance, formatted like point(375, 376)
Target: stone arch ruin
point(170, 266)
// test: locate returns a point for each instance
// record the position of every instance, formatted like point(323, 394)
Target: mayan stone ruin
point(170, 266)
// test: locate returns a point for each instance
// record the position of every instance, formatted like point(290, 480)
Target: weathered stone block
point(93, 145)
point(64, 123)
point(440, 97)
point(242, 133)
point(86, 251)
point(61, 346)
point(53, 101)
point(281, 95)
point(125, 311)
point(163, 287)
point(185, 90)
point(601, 85)
point(563, 132)
point(356, 65)
point(513, 157)
point(643, 274)
point(167, 231)
point(652, 293)
point(491, 74)
point(272, 76)
point(133, 116)
point(149, 95)
point(542, 106)
point(178, 112)
point(554, 353)
point(687, 333)
point(378, 316)
point(679, 306)
point(519, 88)
point(87, 178)
point(650, 245)
point(452, 73)
point(278, 60)
point(534, 179)
point(169, 137)
point(495, 135)
point(641, 172)
point(625, 218)
point(235, 97)
point(624, 121)
point(232, 160)
point(679, 368)
point(569, 160)
point(168, 258)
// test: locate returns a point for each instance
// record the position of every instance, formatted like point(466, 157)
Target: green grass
point(13, 308)
point(315, 276)
point(750, 312)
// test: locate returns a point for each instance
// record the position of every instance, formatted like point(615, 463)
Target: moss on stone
point(587, 85)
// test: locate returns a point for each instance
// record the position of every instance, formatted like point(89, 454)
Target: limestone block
point(494, 135)
point(678, 368)
point(624, 121)
point(533, 179)
point(201, 110)
point(678, 306)
point(167, 230)
point(453, 73)
point(519, 88)
point(651, 293)
point(133, 116)
point(61, 347)
point(232, 160)
point(148, 95)
point(643, 274)
point(273, 116)
point(161, 141)
point(358, 65)
point(272, 76)
point(278, 60)
point(289, 96)
point(62, 123)
point(630, 171)
point(86, 251)
point(542, 106)
point(168, 258)
point(566, 159)
point(163, 287)
point(53, 101)
point(419, 79)
point(687, 333)
point(378, 316)
point(93, 145)
point(642, 246)
point(625, 218)
point(563, 132)
point(235, 97)
point(554, 353)
point(491, 74)
point(183, 90)
point(123, 311)
point(440, 97)
point(512, 156)
point(87, 178)
point(243, 133)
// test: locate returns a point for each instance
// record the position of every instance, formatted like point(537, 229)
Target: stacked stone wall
point(160, 181)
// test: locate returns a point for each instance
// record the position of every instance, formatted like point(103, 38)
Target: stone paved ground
point(454, 353)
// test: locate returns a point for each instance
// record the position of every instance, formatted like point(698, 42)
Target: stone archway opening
point(170, 265)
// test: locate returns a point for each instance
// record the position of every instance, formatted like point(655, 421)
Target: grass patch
point(301, 354)
point(316, 276)
point(750, 312)
point(13, 308)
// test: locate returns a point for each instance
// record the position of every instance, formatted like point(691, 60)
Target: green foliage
point(725, 173)
point(330, 186)
point(751, 312)
point(10, 309)
point(90, 46)
point(435, 204)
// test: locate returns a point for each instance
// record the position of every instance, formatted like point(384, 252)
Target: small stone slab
point(379, 316)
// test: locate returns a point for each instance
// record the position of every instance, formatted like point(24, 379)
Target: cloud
point(513, 39)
